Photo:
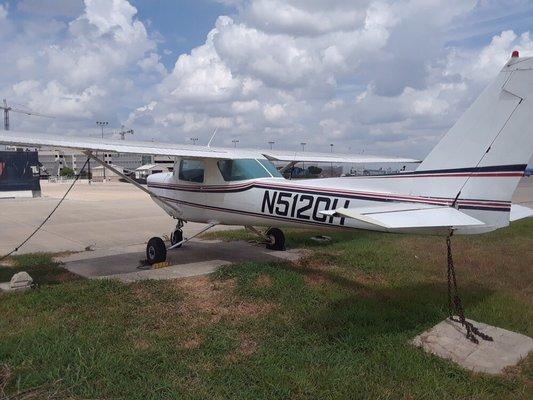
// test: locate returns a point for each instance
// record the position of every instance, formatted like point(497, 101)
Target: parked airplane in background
point(464, 185)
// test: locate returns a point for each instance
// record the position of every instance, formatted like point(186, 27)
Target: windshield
point(271, 168)
point(239, 170)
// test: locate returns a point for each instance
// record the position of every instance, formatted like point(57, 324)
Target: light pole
point(271, 143)
point(101, 124)
point(331, 166)
point(194, 140)
point(235, 141)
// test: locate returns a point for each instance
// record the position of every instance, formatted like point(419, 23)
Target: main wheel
point(277, 239)
point(156, 251)
point(176, 237)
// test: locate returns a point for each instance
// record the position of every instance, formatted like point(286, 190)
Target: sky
point(380, 77)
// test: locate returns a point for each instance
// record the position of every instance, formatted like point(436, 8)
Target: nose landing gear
point(156, 250)
point(176, 237)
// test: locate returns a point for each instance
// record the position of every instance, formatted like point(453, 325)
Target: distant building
point(144, 171)
point(131, 161)
point(164, 161)
point(99, 173)
point(53, 160)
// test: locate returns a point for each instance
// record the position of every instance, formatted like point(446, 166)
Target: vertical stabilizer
point(485, 153)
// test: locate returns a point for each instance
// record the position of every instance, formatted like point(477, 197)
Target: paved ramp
point(197, 257)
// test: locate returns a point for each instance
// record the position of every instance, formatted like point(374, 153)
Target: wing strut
point(136, 184)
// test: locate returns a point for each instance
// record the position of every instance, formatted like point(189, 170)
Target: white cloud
point(283, 17)
point(274, 112)
point(373, 74)
point(82, 69)
point(152, 64)
point(3, 11)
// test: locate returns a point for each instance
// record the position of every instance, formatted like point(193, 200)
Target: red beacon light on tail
point(515, 54)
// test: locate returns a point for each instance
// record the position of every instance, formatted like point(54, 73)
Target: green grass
point(41, 267)
point(335, 325)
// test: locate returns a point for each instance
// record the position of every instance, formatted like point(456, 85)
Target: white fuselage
point(297, 203)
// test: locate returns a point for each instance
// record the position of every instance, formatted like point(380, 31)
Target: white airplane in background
point(464, 185)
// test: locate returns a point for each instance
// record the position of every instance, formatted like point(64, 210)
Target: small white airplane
point(464, 185)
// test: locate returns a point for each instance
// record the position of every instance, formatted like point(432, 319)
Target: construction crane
point(7, 109)
point(123, 132)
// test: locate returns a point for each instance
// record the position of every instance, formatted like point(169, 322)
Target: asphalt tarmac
point(97, 216)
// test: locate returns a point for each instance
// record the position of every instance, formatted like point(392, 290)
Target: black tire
point(277, 239)
point(176, 237)
point(156, 251)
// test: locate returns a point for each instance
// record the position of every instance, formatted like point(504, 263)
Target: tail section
point(482, 158)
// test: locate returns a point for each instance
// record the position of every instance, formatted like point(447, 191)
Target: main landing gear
point(274, 239)
point(156, 250)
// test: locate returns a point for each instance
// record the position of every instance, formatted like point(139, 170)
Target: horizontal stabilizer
point(520, 212)
point(408, 215)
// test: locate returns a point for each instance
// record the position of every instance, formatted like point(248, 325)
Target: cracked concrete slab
point(447, 340)
point(197, 257)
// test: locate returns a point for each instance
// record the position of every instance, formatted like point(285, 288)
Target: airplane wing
point(520, 212)
point(169, 149)
point(336, 158)
point(121, 146)
point(408, 215)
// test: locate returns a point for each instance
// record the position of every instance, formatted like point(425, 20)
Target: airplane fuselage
point(298, 203)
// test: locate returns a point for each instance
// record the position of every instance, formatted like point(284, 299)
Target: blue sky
point(182, 24)
point(371, 75)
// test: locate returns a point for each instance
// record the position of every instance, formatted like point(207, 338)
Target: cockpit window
point(192, 170)
point(239, 170)
point(271, 168)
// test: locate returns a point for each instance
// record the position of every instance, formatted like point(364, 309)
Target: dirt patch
point(246, 348)
point(215, 300)
point(142, 344)
point(263, 281)
point(5, 375)
point(518, 371)
point(192, 342)
point(315, 279)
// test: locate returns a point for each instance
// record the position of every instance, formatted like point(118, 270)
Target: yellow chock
point(160, 265)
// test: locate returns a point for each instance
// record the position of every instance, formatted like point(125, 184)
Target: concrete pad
point(172, 272)
point(6, 287)
point(447, 340)
point(196, 257)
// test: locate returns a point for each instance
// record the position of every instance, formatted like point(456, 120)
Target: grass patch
point(41, 266)
point(335, 326)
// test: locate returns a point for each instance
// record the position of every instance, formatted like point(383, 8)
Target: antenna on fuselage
point(212, 137)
